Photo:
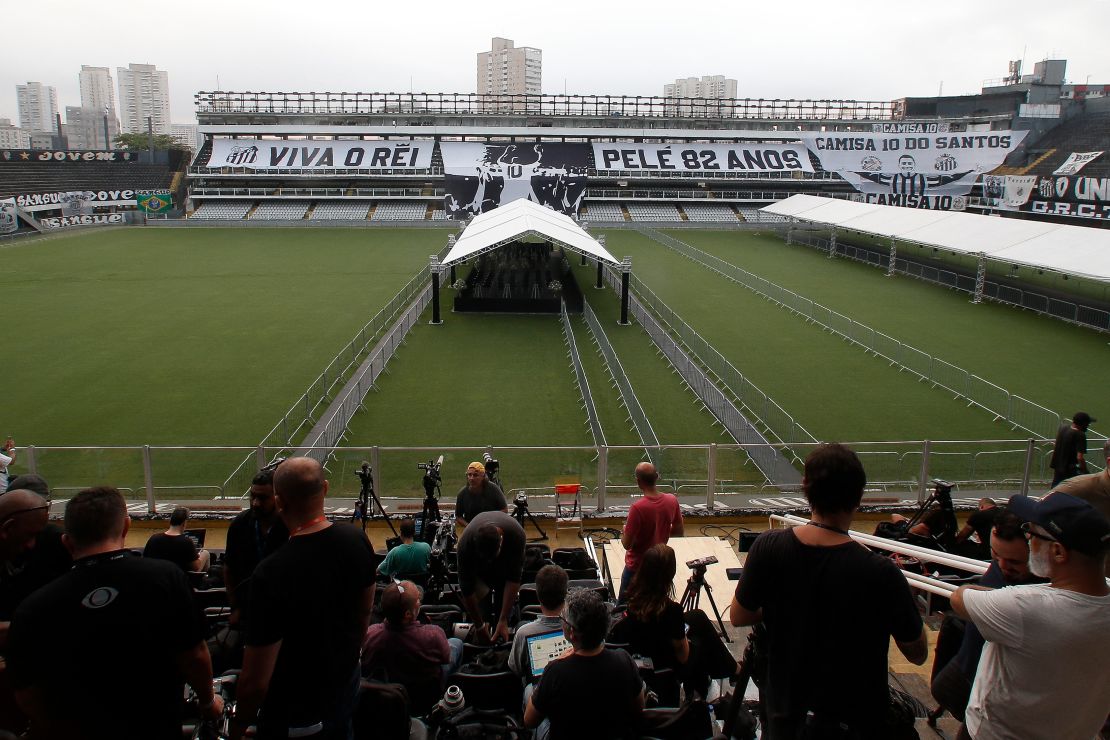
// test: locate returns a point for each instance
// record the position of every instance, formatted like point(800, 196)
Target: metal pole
point(29, 456)
point(260, 457)
point(602, 474)
point(376, 465)
point(1030, 450)
point(624, 298)
point(711, 480)
point(598, 283)
point(924, 475)
point(436, 269)
point(148, 479)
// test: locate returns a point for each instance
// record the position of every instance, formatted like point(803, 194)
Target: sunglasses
point(1027, 527)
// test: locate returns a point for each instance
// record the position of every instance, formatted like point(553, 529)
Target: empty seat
point(653, 212)
point(400, 211)
point(340, 211)
point(280, 210)
point(709, 212)
point(603, 212)
point(222, 210)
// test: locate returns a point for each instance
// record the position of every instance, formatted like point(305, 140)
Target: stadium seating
point(714, 212)
point(603, 212)
point(280, 210)
point(340, 211)
point(1086, 133)
point(754, 215)
point(399, 211)
point(222, 210)
point(17, 178)
point(439, 215)
point(653, 212)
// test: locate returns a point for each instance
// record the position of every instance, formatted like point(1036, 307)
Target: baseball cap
point(1073, 522)
point(1082, 419)
point(476, 466)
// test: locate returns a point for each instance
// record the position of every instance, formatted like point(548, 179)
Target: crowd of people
point(99, 643)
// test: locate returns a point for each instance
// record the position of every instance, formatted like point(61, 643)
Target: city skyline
point(863, 50)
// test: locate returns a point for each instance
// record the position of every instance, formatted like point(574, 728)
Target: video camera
point(701, 563)
point(493, 467)
point(366, 474)
point(521, 500)
point(432, 475)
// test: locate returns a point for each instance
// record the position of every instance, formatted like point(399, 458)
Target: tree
point(140, 142)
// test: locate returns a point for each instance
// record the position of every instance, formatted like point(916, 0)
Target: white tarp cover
point(523, 218)
point(1075, 250)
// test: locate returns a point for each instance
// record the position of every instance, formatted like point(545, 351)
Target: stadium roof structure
point(522, 218)
point(1075, 250)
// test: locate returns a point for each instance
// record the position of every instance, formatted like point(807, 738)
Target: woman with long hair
point(653, 625)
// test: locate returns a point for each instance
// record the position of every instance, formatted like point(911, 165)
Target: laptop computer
point(544, 648)
point(197, 536)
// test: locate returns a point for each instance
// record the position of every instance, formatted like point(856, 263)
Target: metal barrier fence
point(580, 378)
point(1074, 313)
point(627, 393)
point(1019, 412)
point(704, 475)
point(775, 467)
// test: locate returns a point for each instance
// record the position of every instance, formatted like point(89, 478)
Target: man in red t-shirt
point(652, 520)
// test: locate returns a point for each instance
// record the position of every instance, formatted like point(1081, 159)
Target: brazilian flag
point(154, 202)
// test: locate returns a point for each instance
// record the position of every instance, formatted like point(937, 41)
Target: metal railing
point(604, 106)
point(708, 475)
point(1074, 313)
point(629, 400)
point(580, 378)
point(1021, 413)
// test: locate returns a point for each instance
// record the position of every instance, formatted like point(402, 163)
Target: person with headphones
point(652, 520)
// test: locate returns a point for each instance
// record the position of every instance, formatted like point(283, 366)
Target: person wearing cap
point(1043, 674)
point(1069, 454)
point(480, 494)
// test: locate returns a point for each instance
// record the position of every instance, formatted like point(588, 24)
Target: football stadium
point(565, 287)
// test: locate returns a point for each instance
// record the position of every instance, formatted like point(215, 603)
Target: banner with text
point(74, 202)
point(711, 158)
point(154, 201)
point(480, 177)
point(1081, 197)
point(912, 164)
point(9, 222)
point(100, 219)
point(1075, 162)
point(47, 155)
point(926, 202)
point(257, 154)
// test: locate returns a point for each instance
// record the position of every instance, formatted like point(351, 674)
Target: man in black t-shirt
point(592, 691)
point(491, 561)
point(103, 652)
point(310, 606)
point(176, 546)
point(830, 607)
point(1069, 454)
point(979, 524)
point(253, 536)
point(478, 495)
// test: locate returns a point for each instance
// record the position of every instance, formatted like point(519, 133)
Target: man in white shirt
point(1043, 673)
point(7, 457)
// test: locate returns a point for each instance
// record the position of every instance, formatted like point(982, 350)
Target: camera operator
point(938, 525)
point(409, 557)
point(830, 607)
point(177, 547)
point(478, 495)
point(491, 560)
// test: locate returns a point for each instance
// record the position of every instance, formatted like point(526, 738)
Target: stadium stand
point(223, 210)
point(340, 211)
point(439, 215)
point(1086, 133)
point(17, 178)
point(653, 212)
point(399, 212)
point(603, 212)
point(282, 210)
point(754, 215)
point(716, 212)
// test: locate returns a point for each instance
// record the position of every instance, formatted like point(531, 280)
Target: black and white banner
point(49, 155)
point(258, 154)
point(926, 202)
point(912, 164)
point(9, 222)
point(1081, 197)
point(1075, 162)
point(649, 158)
point(75, 202)
point(63, 222)
point(480, 177)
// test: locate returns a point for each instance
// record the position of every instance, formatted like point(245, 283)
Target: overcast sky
point(845, 49)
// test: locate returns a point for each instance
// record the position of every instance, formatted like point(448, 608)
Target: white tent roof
point(1075, 250)
point(524, 218)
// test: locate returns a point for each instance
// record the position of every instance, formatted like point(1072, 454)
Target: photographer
point(830, 607)
point(480, 494)
point(491, 560)
point(408, 557)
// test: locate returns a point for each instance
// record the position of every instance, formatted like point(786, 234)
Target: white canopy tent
point(1074, 250)
point(523, 218)
point(518, 220)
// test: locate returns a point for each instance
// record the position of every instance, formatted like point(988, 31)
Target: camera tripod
point(692, 595)
point(364, 510)
point(430, 511)
point(520, 510)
